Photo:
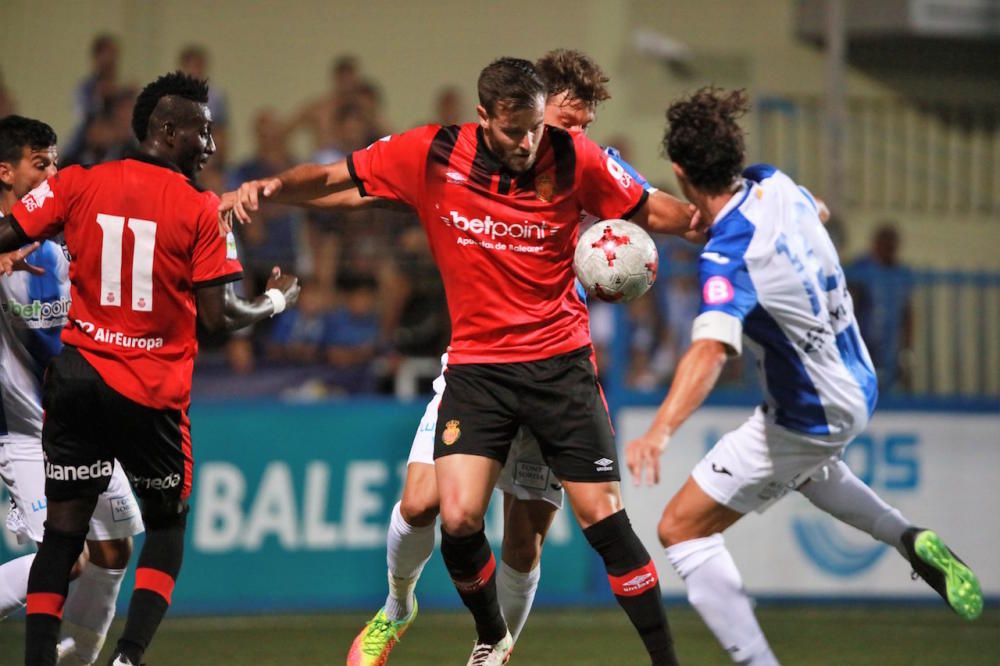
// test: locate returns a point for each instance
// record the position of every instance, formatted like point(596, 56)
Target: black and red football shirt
point(503, 242)
point(141, 239)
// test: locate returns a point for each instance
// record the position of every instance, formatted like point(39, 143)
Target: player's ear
point(484, 118)
point(169, 132)
point(679, 172)
point(7, 174)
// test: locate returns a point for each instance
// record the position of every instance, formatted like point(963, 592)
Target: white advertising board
point(941, 470)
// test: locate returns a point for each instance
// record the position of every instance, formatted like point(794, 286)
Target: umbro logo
point(638, 582)
point(720, 470)
point(454, 177)
point(604, 465)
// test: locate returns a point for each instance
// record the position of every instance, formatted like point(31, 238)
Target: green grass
point(799, 635)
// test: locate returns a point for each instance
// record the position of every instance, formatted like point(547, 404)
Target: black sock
point(634, 581)
point(155, 575)
point(472, 568)
point(48, 583)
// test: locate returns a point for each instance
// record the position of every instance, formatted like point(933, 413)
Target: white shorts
point(116, 515)
point(758, 463)
point(525, 475)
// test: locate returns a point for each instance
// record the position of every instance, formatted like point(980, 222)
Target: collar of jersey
point(140, 156)
point(739, 196)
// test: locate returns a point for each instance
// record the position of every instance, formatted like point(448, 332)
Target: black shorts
point(558, 399)
point(88, 425)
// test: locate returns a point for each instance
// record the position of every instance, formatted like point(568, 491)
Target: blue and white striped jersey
point(770, 274)
point(33, 311)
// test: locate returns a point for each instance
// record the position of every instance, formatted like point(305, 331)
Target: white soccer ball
point(616, 261)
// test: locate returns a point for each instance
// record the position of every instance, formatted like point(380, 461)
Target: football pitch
point(799, 635)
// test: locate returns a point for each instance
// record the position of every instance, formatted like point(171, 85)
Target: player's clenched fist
point(287, 284)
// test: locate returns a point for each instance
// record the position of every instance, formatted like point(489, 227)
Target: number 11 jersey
point(141, 239)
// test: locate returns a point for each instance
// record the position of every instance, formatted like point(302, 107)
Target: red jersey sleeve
point(606, 190)
point(393, 166)
point(42, 212)
point(214, 260)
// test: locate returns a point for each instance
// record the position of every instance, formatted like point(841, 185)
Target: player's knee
point(164, 513)
point(458, 521)
point(521, 552)
point(671, 529)
point(111, 554)
point(419, 510)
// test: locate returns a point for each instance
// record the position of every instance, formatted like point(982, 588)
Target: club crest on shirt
point(451, 432)
point(545, 187)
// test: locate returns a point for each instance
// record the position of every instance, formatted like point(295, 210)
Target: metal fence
point(907, 156)
point(934, 337)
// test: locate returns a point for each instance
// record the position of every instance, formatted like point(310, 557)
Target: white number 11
point(142, 261)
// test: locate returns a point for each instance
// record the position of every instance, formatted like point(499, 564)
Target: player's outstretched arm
point(297, 185)
point(665, 214)
point(696, 375)
point(220, 308)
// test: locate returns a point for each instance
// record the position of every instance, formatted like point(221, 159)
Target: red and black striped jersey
point(503, 241)
point(141, 238)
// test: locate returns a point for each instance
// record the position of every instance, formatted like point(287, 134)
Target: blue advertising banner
point(290, 509)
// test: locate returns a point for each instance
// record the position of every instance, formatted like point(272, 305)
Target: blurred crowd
point(372, 318)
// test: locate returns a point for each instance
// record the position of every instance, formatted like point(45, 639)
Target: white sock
point(715, 589)
point(407, 550)
point(14, 584)
point(89, 610)
point(845, 497)
point(516, 592)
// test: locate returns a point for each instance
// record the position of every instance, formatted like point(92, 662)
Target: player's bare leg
point(526, 522)
point(631, 573)
point(90, 605)
point(409, 545)
point(465, 484)
point(66, 527)
point(691, 531)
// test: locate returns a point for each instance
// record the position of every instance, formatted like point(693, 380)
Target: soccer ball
point(616, 261)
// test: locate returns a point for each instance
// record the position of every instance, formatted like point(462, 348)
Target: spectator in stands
point(317, 116)
point(449, 106)
point(95, 94)
point(351, 339)
point(108, 134)
point(882, 288)
point(417, 317)
point(298, 336)
point(678, 299)
point(276, 239)
point(369, 100)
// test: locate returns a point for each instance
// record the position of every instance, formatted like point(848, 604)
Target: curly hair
point(16, 132)
point(512, 81)
point(573, 72)
point(704, 138)
point(176, 84)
